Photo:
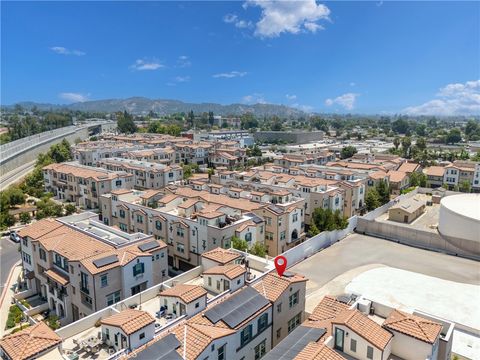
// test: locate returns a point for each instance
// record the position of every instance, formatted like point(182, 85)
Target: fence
point(317, 243)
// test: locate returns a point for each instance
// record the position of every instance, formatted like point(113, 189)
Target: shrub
point(53, 322)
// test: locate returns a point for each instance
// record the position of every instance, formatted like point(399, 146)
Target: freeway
point(16, 175)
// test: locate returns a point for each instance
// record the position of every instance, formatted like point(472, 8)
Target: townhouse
point(461, 172)
point(165, 156)
point(434, 176)
point(311, 158)
point(398, 181)
point(146, 175)
point(79, 265)
point(89, 153)
point(190, 221)
point(339, 328)
point(83, 185)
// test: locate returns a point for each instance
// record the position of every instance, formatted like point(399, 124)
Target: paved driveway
point(9, 255)
point(364, 252)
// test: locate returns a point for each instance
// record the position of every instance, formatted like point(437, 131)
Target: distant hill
point(142, 105)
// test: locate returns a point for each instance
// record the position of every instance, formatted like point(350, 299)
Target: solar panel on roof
point(148, 246)
point(237, 308)
point(164, 349)
point(107, 260)
point(294, 343)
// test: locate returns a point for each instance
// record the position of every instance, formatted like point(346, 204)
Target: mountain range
point(142, 106)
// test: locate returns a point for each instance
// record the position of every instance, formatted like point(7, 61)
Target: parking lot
point(330, 270)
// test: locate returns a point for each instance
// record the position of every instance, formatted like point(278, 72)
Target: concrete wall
point(317, 243)
point(419, 238)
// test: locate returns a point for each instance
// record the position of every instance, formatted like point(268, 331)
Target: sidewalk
point(7, 295)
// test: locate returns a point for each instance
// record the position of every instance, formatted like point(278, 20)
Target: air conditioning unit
point(364, 306)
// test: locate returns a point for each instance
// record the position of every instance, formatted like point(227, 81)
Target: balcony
point(85, 290)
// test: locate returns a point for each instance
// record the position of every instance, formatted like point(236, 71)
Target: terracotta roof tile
point(56, 276)
point(434, 171)
point(396, 176)
point(221, 256)
point(365, 327)
point(408, 167)
point(30, 342)
point(39, 228)
point(231, 271)
point(318, 351)
point(273, 286)
point(187, 293)
point(414, 326)
point(129, 320)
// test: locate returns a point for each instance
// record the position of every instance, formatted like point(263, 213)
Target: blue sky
point(362, 57)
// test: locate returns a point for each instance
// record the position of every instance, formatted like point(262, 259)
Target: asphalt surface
point(16, 175)
point(359, 250)
point(9, 255)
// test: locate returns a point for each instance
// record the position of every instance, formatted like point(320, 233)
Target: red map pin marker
point(280, 264)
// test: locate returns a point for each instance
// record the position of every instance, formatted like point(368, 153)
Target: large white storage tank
point(460, 216)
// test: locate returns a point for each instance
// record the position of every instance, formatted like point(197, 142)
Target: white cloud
point(233, 19)
point(64, 51)
point(306, 108)
point(231, 74)
point(74, 97)
point(181, 79)
point(183, 61)
point(347, 101)
point(453, 99)
point(141, 65)
point(288, 17)
point(291, 97)
point(254, 98)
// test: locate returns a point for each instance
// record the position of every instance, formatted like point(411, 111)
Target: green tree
point(313, 230)
point(125, 123)
point(396, 142)
point(6, 220)
point(348, 152)
point(211, 171)
point(418, 179)
point(15, 196)
point(239, 244)
point(70, 209)
point(383, 192)
point(421, 143)
point(454, 136)
point(187, 172)
point(406, 143)
point(258, 249)
point(372, 200)
point(25, 218)
point(465, 186)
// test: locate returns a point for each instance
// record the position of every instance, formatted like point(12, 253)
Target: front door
point(339, 333)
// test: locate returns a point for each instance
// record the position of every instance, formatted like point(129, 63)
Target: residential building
point(399, 181)
point(83, 185)
point(183, 299)
point(146, 175)
point(434, 176)
point(461, 172)
point(406, 210)
point(190, 221)
point(79, 265)
point(287, 295)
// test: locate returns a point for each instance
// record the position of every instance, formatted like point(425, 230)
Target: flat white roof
point(467, 205)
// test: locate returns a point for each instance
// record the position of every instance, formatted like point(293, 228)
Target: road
point(360, 251)
point(16, 175)
point(9, 255)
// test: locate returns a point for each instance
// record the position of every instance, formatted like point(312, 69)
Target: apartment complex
point(461, 172)
point(83, 185)
point(79, 266)
point(195, 220)
point(146, 175)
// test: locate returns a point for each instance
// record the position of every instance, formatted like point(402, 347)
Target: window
point(293, 299)
point(221, 353)
point(140, 219)
point(113, 298)
point(268, 220)
point(197, 305)
point(158, 225)
point(218, 284)
point(163, 272)
point(294, 322)
point(262, 323)
point(279, 333)
point(25, 241)
point(179, 231)
point(104, 280)
point(122, 213)
point(260, 350)
point(118, 183)
point(268, 235)
point(369, 352)
point(295, 217)
point(123, 227)
point(138, 269)
point(180, 248)
point(282, 235)
point(26, 258)
point(141, 336)
point(107, 334)
point(84, 282)
point(248, 237)
point(353, 345)
point(246, 335)
point(43, 254)
point(279, 307)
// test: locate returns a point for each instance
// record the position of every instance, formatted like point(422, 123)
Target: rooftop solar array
point(148, 246)
point(237, 308)
point(164, 349)
point(294, 343)
point(107, 260)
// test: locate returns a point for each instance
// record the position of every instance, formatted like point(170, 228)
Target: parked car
point(14, 237)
